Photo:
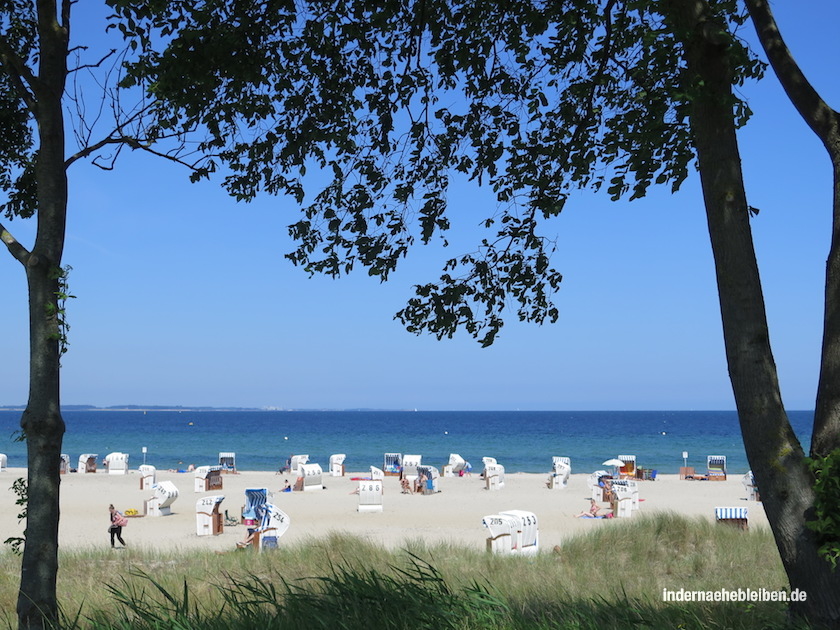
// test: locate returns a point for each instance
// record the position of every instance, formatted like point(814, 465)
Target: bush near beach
point(609, 578)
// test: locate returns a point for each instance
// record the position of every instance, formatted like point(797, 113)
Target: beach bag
point(120, 520)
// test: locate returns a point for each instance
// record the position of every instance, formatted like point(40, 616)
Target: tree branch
point(15, 249)
point(821, 118)
point(18, 72)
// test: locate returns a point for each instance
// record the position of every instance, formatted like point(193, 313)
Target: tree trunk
point(42, 424)
point(774, 453)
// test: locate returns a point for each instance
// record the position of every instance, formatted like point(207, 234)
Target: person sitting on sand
point(406, 486)
point(592, 512)
point(420, 483)
point(287, 487)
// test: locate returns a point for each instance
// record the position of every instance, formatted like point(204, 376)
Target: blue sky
point(184, 297)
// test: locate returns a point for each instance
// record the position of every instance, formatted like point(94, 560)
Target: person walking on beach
point(118, 521)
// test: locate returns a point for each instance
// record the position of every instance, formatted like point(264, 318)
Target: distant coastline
point(187, 408)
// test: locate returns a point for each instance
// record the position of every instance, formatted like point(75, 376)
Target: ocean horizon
point(522, 441)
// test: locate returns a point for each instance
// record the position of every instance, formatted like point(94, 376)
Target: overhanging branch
point(15, 249)
point(821, 118)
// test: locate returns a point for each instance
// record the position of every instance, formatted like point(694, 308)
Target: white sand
point(452, 515)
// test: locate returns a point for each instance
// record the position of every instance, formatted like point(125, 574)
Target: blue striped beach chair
point(733, 516)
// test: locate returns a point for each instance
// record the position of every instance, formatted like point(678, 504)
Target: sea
point(522, 441)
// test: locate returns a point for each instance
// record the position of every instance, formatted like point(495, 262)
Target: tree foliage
point(388, 102)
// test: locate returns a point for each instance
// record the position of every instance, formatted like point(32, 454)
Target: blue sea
point(522, 441)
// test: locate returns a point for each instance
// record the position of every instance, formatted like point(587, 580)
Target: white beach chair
point(632, 487)
point(487, 461)
point(273, 524)
point(558, 478)
point(455, 466)
point(376, 473)
point(716, 467)
point(227, 461)
point(494, 477)
point(526, 539)
point(623, 503)
point(596, 491)
point(208, 478)
point(208, 520)
point(337, 464)
point(87, 463)
point(117, 463)
point(4, 462)
point(749, 486)
point(64, 466)
point(295, 462)
point(161, 503)
point(409, 466)
point(310, 477)
point(734, 516)
point(628, 470)
point(502, 529)
point(370, 495)
point(147, 476)
point(392, 465)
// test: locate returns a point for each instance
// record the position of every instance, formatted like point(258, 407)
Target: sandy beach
point(452, 515)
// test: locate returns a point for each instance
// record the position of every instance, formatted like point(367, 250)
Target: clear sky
point(184, 296)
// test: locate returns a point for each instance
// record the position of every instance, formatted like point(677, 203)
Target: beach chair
point(487, 461)
point(494, 477)
point(295, 462)
point(227, 461)
point(409, 466)
point(526, 538)
point(208, 478)
point(733, 516)
point(337, 464)
point(558, 478)
point(376, 473)
point(87, 463)
point(393, 464)
point(716, 467)
point(4, 462)
point(628, 470)
point(117, 463)
point(432, 475)
point(161, 503)
point(255, 498)
point(633, 487)
point(749, 485)
point(370, 495)
point(64, 465)
point(147, 476)
point(623, 502)
point(502, 529)
point(208, 520)
point(593, 483)
point(687, 472)
point(274, 523)
point(310, 477)
point(455, 466)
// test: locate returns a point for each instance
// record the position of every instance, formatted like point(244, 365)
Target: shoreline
point(452, 515)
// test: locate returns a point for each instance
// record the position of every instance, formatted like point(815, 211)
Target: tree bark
point(774, 453)
point(42, 424)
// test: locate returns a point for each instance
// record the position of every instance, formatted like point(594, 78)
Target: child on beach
point(118, 521)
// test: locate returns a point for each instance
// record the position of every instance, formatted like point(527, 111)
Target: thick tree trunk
point(775, 455)
point(42, 423)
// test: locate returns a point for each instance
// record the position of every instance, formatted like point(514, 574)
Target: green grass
point(612, 577)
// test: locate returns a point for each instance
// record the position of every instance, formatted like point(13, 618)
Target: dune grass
point(612, 577)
